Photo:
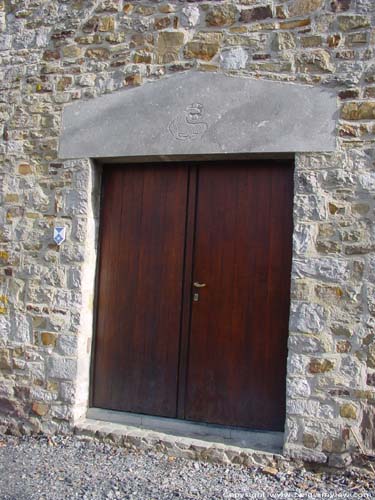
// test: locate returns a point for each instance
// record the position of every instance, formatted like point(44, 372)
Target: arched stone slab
point(201, 113)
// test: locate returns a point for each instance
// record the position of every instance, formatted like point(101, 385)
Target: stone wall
point(55, 52)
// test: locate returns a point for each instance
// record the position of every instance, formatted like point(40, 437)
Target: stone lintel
point(201, 113)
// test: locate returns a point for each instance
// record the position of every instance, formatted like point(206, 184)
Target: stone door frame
point(86, 338)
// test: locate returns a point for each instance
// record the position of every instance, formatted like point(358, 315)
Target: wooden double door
point(193, 291)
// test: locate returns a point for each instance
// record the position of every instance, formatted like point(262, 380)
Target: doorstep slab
point(184, 439)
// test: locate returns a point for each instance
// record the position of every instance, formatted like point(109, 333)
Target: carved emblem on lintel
point(188, 125)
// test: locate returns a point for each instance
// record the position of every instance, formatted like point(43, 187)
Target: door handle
point(199, 285)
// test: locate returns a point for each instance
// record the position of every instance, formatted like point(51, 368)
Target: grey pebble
point(38, 468)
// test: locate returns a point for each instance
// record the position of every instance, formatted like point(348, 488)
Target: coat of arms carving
point(188, 125)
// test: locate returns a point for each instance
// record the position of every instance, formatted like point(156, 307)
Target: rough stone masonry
point(53, 53)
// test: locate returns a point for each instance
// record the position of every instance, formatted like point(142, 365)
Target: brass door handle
point(199, 285)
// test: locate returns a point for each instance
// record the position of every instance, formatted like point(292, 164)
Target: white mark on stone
point(190, 16)
point(307, 318)
point(235, 58)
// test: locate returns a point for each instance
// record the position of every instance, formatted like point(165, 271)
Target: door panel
point(221, 359)
point(140, 287)
point(239, 326)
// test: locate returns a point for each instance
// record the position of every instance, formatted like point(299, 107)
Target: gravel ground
point(68, 468)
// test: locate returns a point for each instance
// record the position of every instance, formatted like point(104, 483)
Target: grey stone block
point(201, 113)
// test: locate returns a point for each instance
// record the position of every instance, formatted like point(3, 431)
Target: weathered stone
point(303, 7)
point(72, 51)
point(333, 445)
point(370, 74)
point(214, 37)
point(142, 56)
point(108, 6)
point(106, 23)
point(52, 386)
point(162, 23)
point(91, 25)
point(201, 50)
point(120, 59)
point(365, 395)
point(5, 360)
point(89, 39)
point(115, 38)
point(64, 83)
point(256, 14)
point(317, 61)
point(343, 346)
point(21, 329)
point(348, 410)
point(169, 44)
point(190, 16)
point(340, 5)
point(128, 8)
point(367, 428)
point(310, 455)
point(235, 58)
point(283, 41)
point(371, 356)
point(311, 41)
point(309, 440)
point(221, 15)
point(352, 22)
point(308, 318)
point(371, 379)
point(328, 293)
point(335, 209)
point(22, 392)
point(40, 409)
point(359, 249)
point(339, 460)
point(349, 94)
point(280, 12)
point(145, 10)
point(320, 365)
point(100, 54)
point(293, 24)
point(167, 8)
point(11, 408)
point(301, 291)
point(302, 407)
point(354, 39)
point(62, 368)
point(352, 368)
point(333, 41)
point(328, 247)
point(24, 169)
point(242, 41)
point(86, 80)
point(48, 339)
point(298, 387)
point(51, 55)
point(358, 111)
point(134, 80)
point(310, 344)
point(302, 238)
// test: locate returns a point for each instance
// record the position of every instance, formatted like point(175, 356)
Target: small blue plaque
point(59, 234)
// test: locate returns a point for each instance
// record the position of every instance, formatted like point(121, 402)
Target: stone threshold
point(186, 439)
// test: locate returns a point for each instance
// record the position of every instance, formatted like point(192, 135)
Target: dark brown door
point(140, 286)
point(239, 326)
point(213, 353)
